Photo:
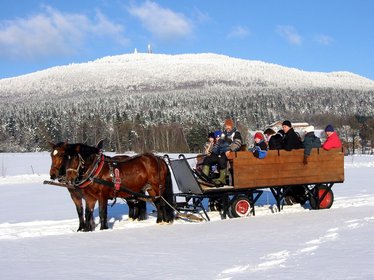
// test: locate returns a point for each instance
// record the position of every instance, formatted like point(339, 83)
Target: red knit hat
point(259, 136)
point(229, 122)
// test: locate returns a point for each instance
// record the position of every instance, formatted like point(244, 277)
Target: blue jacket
point(230, 141)
point(260, 149)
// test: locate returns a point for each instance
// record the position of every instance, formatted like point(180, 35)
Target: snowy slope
point(38, 238)
point(147, 72)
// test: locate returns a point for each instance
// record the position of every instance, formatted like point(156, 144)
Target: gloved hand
point(305, 160)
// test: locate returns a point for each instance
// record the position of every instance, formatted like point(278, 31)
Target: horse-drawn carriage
point(281, 171)
point(95, 177)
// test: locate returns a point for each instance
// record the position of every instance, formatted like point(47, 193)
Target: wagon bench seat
point(282, 168)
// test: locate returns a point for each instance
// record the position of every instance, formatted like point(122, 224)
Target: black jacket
point(291, 140)
point(275, 142)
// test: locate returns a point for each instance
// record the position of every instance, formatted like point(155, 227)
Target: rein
point(123, 189)
point(195, 157)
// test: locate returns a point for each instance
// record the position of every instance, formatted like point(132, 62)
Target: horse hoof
point(104, 227)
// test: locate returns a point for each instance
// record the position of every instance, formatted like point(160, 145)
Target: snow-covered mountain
point(129, 98)
point(149, 72)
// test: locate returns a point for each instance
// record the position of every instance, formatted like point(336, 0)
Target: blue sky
point(312, 35)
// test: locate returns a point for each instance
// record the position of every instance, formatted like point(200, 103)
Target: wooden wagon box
point(282, 168)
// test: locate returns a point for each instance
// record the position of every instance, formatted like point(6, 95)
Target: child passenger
point(260, 148)
point(273, 139)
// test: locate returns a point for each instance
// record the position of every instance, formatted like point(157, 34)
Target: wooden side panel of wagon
point(286, 168)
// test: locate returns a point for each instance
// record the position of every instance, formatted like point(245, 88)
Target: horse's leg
point(137, 209)
point(103, 212)
point(133, 210)
point(165, 212)
point(76, 196)
point(168, 195)
point(160, 210)
point(90, 206)
point(142, 210)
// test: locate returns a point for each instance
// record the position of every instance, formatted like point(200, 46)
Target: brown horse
point(59, 156)
point(99, 177)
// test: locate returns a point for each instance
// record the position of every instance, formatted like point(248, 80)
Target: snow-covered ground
point(38, 237)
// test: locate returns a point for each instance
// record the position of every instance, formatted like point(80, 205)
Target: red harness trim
point(117, 180)
point(97, 171)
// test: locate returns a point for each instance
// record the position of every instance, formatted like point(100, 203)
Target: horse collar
point(94, 172)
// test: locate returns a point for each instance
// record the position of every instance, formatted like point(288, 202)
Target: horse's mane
point(78, 148)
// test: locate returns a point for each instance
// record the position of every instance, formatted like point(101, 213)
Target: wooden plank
point(287, 168)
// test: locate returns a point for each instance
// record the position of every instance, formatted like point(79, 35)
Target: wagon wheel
point(240, 207)
point(318, 192)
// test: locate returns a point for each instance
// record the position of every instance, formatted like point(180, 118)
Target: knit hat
point(329, 128)
point(309, 129)
point(259, 135)
point(217, 133)
point(287, 123)
point(211, 135)
point(229, 122)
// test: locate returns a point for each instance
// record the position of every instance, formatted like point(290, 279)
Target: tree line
point(179, 120)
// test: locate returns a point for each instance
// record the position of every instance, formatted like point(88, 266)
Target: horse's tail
point(169, 197)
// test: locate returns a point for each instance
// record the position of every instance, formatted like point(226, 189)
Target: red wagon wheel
point(240, 207)
point(324, 202)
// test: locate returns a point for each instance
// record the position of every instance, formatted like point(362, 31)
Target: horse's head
point(58, 157)
point(80, 161)
point(74, 167)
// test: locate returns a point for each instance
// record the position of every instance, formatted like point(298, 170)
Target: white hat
point(309, 129)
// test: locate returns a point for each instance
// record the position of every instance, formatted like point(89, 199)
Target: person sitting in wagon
point(310, 141)
point(208, 146)
point(332, 140)
point(260, 148)
point(230, 141)
point(207, 150)
point(213, 138)
point(291, 140)
point(274, 139)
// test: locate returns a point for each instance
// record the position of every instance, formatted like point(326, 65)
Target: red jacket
point(332, 142)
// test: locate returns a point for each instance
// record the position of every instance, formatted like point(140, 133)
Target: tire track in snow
point(37, 229)
point(279, 259)
point(34, 229)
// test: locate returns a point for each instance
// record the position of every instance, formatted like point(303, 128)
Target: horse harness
point(91, 176)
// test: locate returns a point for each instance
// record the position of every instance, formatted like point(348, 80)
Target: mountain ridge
point(129, 71)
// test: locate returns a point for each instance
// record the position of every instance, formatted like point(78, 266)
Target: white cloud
point(289, 33)
point(324, 39)
point(200, 16)
point(239, 31)
point(53, 33)
point(161, 22)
